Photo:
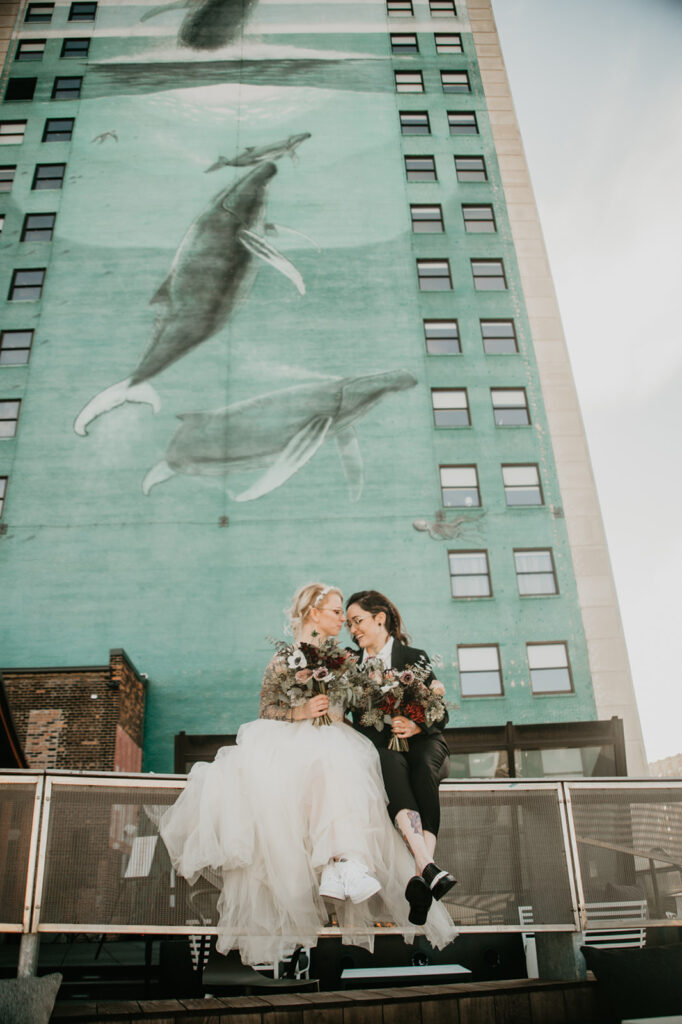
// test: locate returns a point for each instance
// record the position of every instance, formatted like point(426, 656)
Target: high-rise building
point(276, 307)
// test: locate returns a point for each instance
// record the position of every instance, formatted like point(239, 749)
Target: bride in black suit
point(412, 777)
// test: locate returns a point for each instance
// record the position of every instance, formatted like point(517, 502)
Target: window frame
point(451, 89)
point(85, 40)
point(404, 87)
point(470, 156)
point(31, 18)
point(430, 322)
point(490, 261)
point(52, 120)
point(450, 10)
point(404, 116)
point(16, 348)
point(12, 82)
point(550, 693)
point(471, 672)
point(26, 228)
point(448, 47)
point(399, 49)
point(7, 180)
point(28, 43)
point(422, 263)
point(401, 8)
point(419, 222)
point(551, 572)
point(461, 487)
point(518, 487)
point(501, 408)
point(488, 321)
point(9, 419)
point(422, 157)
point(12, 138)
point(14, 285)
point(488, 207)
point(470, 575)
point(47, 188)
point(465, 408)
point(63, 94)
point(75, 16)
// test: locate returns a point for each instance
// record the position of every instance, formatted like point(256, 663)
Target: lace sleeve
point(272, 702)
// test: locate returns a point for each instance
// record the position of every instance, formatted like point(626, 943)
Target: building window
point(434, 275)
point(404, 42)
point(420, 168)
point(83, 12)
point(58, 129)
point(535, 573)
point(9, 416)
point(399, 8)
point(550, 671)
point(426, 219)
point(2, 222)
point(522, 485)
point(442, 337)
point(470, 168)
point(459, 486)
point(409, 81)
point(414, 122)
point(455, 81)
point(462, 122)
point(499, 337)
point(6, 178)
point(510, 407)
point(38, 227)
point(450, 407)
point(448, 43)
point(48, 176)
point(39, 12)
point(440, 7)
point(489, 275)
point(479, 671)
point(78, 48)
point(15, 347)
point(12, 132)
point(27, 285)
point(478, 219)
point(3, 492)
point(30, 49)
point(66, 88)
point(469, 574)
point(20, 89)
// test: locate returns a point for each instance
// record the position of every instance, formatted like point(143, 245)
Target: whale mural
point(213, 269)
point(278, 432)
point(208, 24)
point(258, 154)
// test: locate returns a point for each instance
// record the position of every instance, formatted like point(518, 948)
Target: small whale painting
point(257, 154)
point(213, 270)
point(277, 433)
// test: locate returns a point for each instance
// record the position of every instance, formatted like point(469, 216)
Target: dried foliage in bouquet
point(305, 670)
point(389, 692)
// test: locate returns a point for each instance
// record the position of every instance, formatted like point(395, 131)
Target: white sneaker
point(331, 885)
point(358, 884)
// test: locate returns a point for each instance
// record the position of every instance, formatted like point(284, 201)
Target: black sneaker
point(420, 898)
point(438, 881)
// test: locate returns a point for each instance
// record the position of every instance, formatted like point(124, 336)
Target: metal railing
point(81, 853)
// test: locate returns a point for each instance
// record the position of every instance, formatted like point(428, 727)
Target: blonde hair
point(306, 597)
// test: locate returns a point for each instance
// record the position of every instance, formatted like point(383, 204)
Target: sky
point(597, 86)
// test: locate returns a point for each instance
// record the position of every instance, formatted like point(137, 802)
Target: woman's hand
point(315, 707)
point(437, 688)
point(403, 727)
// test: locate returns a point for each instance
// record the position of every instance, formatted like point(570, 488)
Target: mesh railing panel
point(629, 842)
point(16, 816)
point(507, 850)
point(107, 867)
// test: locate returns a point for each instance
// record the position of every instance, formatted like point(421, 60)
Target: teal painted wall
point(88, 561)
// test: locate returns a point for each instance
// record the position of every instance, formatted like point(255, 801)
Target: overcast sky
point(597, 86)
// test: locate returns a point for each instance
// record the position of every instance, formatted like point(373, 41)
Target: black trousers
point(412, 778)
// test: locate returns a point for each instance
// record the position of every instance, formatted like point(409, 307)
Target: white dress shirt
point(384, 653)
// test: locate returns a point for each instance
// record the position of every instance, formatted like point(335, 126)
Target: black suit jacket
point(401, 657)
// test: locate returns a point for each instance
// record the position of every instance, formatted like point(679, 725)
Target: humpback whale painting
point(213, 269)
point(277, 433)
point(257, 154)
point(208, 24)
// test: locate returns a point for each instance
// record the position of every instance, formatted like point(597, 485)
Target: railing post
point(559, 956)
point(28, 954)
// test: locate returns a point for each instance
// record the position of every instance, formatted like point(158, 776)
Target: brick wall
point(87, 719)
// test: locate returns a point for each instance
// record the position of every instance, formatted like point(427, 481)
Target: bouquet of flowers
point(309, 669)
point(389, 692)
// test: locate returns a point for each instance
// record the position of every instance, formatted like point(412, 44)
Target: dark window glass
point(9, 417)
point(470, 168)
point(30, 49)
point(462, 122)
point(76, 48)
point(15, 347)
point(6, 178)
point(499, 337)
point(38, 227)
point(414, 122)
point(434, 275)
point(66, 88)
point(404, 43)
point(58, 129)
point(420, 168)
point(82, 12)
point(12, 132)
point(48, 176)
point(442, 337)
point(20, 89)
point(426, 219)
point(39, 12)
point(27, 285)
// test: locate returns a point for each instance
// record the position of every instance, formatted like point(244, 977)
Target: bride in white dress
point(294, 815)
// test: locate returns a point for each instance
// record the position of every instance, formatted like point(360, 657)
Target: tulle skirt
point(268, 814)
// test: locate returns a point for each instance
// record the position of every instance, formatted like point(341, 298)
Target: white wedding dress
point(268, 814)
